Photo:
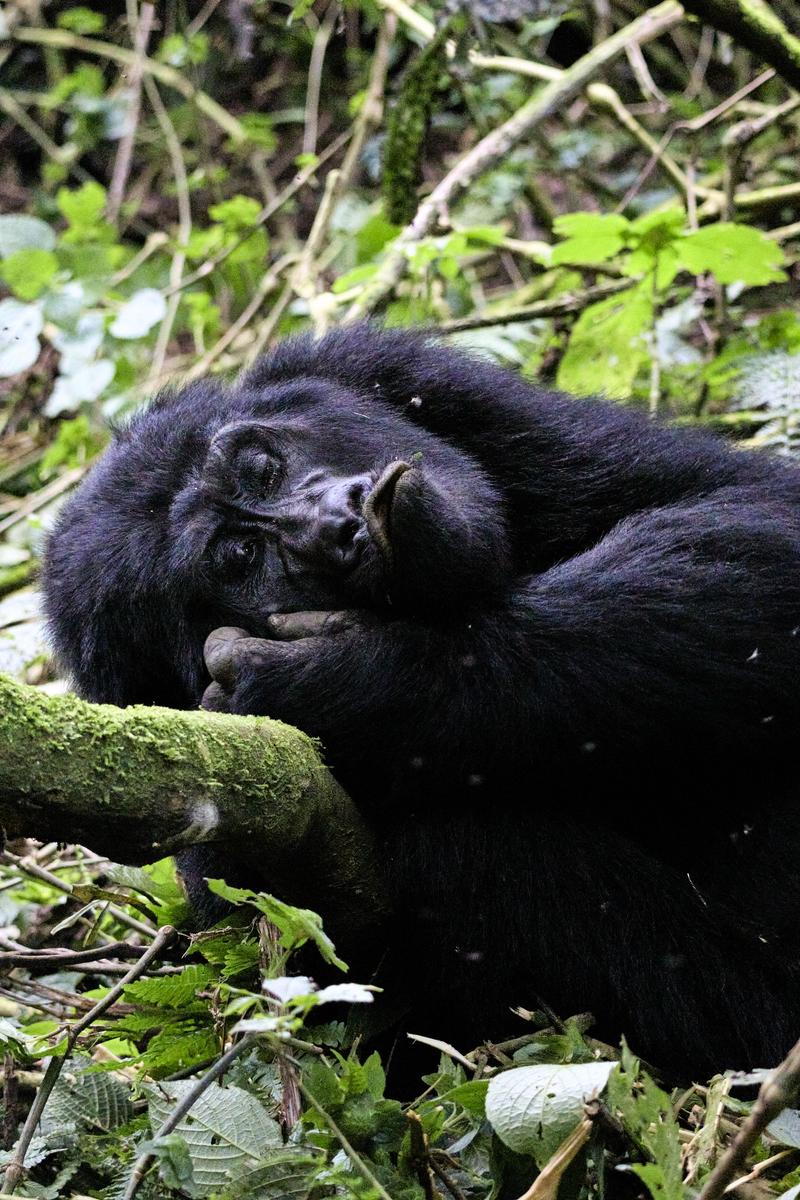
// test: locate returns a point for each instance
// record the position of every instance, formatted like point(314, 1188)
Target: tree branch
point(139, 783)
point(756, 26)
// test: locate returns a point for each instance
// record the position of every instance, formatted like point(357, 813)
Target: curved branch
point(139, 783)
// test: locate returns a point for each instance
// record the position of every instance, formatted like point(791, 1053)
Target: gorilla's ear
point(241, 459)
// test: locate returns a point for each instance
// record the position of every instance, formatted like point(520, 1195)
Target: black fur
point(571, 706)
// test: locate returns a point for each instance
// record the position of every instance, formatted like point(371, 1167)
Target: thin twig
point(571, 303)
point(185, 1106)
point(32, 959)
point(28, 867)
point(124, 156)
point(163, 72)
point(184, 228)
point(269, 324)
point(320, 46)
point(283, 197)
point(371, 112)
point(16, 1168)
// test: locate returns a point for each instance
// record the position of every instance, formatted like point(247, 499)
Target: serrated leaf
point(28, 272)
point(83, 207)
point(18, 231)
point(296, 925)
point(591, 237)
point(88, 1100)
point(227, 1131)
point(532, 1109)
point(139, 314)
point(180, 1046)
point(171, 991)
point(20, 326)
point(608, 345)
point(282, 1175)
point(732, 253)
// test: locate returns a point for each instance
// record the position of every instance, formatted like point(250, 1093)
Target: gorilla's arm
point(675, 632)
point(570, 468)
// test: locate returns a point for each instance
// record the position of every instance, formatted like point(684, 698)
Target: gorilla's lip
point(378, 506)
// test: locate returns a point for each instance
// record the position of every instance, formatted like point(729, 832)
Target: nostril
point(346, 531)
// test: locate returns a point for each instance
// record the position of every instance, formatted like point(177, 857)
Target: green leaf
point(28, 272)
point(86, 80)
point(81, 20)
point(84, 205)
point(227, 1131)
point(608, 345)
point(591, 237)
point(89, 1099)
point(324, 1085)
point(174, 1161)
point(353, 278)
point(733, 254)
point(181, 1046)
point(470, 1096)
point(21, 232)
point(259, 130)
point(180, 51)
point(171, 991)
point(296, 925)
point(532, 1109)
point(239, 213)
point(647, 1114)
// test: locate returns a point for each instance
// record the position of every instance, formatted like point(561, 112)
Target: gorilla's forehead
point(168, 442)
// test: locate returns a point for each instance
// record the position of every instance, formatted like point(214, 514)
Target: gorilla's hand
point(241, 665)
point(389, 700)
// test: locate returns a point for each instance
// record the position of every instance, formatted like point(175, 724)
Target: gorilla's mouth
point(378, 506)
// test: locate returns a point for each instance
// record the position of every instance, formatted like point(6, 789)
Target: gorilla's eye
point(236, 557)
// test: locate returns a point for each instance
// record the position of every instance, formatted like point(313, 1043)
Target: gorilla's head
point(222, 506)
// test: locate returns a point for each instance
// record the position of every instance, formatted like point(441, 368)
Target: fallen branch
point(139, 783)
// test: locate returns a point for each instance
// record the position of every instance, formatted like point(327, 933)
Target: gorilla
point(550, 647)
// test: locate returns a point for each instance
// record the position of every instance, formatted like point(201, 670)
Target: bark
point(142, 782)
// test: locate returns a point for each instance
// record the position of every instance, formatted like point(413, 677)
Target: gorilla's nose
point(339, 520)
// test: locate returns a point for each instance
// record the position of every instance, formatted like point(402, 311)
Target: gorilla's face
point(320, 503)
point(218, 508)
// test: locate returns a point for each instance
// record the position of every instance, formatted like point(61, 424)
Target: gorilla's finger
point(289, 627)
point(215, 699)
point(378, 503)
point(220, 653)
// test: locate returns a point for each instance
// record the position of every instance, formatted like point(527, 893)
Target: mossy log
point(140, 783)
